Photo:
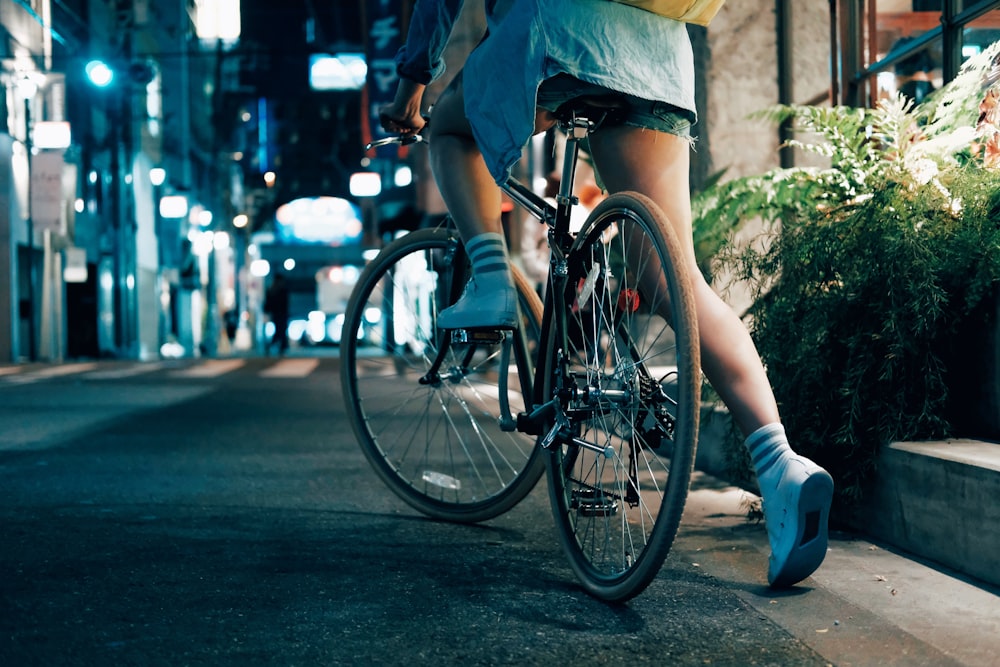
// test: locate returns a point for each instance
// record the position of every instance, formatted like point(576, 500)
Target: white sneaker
point(491, 306)
point(796, 514)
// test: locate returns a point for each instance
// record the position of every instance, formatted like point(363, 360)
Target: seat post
point(575, 129)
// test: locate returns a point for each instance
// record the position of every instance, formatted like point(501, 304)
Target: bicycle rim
point(437, 443)
point(626, 364)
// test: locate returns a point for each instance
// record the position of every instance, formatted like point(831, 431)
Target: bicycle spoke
point(433, 437)
point(618, 515)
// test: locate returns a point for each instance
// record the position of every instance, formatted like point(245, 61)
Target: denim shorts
point(639, 112)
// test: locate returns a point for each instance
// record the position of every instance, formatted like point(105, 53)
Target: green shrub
point(867, 267)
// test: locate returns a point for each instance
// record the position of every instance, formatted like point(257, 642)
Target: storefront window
point(899, 24)
point(908, 46)
point(980, 33)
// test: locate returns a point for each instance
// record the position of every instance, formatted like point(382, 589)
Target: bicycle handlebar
point(401, 139)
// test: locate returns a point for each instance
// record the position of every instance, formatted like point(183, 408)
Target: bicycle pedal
point(591, 502)
point(478, 336)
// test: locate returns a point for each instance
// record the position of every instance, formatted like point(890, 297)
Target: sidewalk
point(877, 606)
point(934, 500)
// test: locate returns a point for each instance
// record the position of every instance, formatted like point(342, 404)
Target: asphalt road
point(220, 512)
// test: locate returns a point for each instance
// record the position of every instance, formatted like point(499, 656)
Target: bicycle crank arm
point(531, 423)
point(506, 419)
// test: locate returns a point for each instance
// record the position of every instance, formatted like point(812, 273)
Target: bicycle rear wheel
point(434, 438)
point(625, 363)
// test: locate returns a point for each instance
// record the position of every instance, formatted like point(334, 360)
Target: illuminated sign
point(319, 220)
point(342, 71)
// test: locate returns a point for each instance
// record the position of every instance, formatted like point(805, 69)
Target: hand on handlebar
point(406, 130)
point(402, 116)
point(401, 139)
point(400, 123)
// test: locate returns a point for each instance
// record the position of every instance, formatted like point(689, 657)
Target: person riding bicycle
point(535, 57)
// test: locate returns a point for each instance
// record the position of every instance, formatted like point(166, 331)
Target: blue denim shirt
point(602, 42)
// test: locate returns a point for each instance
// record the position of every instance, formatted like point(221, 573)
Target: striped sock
point(767, 445)
point(488, 254)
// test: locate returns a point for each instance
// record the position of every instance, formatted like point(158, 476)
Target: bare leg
point(466, 185)
point(468, 189)
point(653, 163)
point(796, 492)
point(473, 199)
point(656, 164)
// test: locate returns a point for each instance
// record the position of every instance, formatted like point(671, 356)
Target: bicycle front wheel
point(433, 436)
point(624, 361)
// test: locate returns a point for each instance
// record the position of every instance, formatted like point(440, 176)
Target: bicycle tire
point(437, 445)
point(630, 384)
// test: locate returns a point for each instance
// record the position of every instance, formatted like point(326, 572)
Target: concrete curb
point(939, 500)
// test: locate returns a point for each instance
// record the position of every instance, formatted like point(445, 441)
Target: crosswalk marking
point(210, 368)
point(51, 372)
point(126, 372)
point(291, 368)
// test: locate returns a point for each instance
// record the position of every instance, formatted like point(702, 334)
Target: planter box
point(938, 500)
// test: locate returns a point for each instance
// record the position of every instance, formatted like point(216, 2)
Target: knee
point(711, 307)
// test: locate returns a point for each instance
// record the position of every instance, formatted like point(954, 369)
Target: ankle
point(490, 264)
point(767, 446)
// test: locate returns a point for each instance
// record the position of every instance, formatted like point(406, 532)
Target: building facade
point(117, 196)
point(88, 263)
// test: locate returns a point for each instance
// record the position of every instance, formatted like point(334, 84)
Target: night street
point(190, 194)
point(220, 512)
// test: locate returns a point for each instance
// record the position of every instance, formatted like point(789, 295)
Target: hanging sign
point(47, 191)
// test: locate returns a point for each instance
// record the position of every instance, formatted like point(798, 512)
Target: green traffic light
point(99, 73)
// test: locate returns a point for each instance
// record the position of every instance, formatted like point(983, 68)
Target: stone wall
point(742, 77)
point(810, 50)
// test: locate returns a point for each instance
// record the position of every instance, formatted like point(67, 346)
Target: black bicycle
point(599, 385)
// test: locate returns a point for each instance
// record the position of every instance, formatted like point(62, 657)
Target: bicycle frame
point(608, 385)
point(556, 217)
point(543, 408)
point(560, 240)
